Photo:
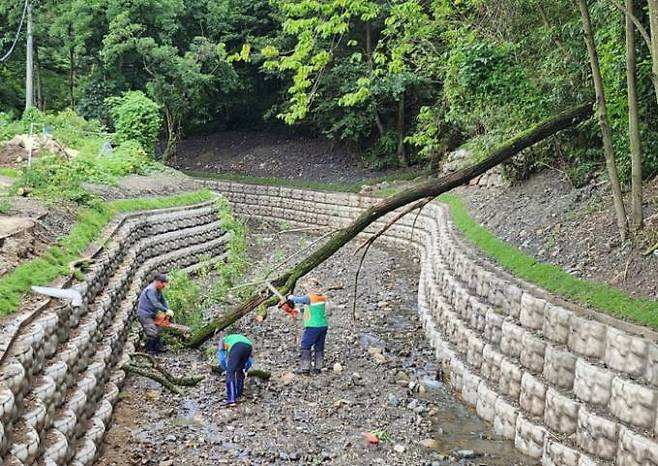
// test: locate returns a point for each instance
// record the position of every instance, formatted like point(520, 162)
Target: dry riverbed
point(381, 376)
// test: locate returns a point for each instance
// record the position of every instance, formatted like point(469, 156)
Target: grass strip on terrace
point(302, 184)
point(10, 172)
point(550, 277)
point(90, 222)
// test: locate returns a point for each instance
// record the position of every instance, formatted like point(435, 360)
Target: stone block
point(470, 387)
point(529, 437)
point(474, 353)
point(592, 384)
point(636, 450)
point(511, 340)
point(651, 374)
point(633, 403)
point(510, 379)
point(514, 295)
point(486, 403)
point(626, 353)
point(556, 454)
point(559, 367)
point(596, 435)
point(587, 337)
point(532, 353)
point(505, 419)
point(491, 360)
point(556, 324)
point(456, 374)
point(533, 395)
point(478, 315)
point(532, 311)
point(493, 327)
point(561, 414)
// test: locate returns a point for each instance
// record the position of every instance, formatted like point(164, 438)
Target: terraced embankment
point(60, 377)
point(567, 385)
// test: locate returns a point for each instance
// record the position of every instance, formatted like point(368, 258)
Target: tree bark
point(608, 150)
point(653, 25)
point(402, 155)
point(378, 120)
point(431, 188)
point(633, 121)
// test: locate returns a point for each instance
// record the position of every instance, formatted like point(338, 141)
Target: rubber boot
point(149, 346)
point(159, 346)
point(305, 362)
point(239, 384)
point(231, 390)
point(319, 362)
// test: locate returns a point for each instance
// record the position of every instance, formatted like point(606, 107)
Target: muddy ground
point(292, 157)
point(314, 419)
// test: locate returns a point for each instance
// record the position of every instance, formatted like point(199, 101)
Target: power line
point(20, 26)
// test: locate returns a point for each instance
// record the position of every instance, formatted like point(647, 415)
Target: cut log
point(431, 188)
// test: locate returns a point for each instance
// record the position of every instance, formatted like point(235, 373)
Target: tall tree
point(608, 149)
point(633, 120)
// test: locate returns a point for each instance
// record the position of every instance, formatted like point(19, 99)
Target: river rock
point(430, 443)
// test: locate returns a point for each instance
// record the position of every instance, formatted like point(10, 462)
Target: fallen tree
point(428, 189)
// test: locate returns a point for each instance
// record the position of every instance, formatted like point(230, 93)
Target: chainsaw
point(162, 320)
point(286, 305)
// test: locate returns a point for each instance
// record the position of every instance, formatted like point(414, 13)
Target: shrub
point(136, 117)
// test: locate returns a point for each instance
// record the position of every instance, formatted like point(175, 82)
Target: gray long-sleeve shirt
point(151, 301)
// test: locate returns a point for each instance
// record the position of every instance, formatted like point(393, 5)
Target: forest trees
point(403, 81)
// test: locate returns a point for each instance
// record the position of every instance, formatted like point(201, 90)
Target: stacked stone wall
point(567, 385)
point(60, 377)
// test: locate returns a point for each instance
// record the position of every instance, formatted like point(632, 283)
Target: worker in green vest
point(315, 326)
point(234, 353)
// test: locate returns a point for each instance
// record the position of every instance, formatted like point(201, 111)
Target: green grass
point(596, 295)
point(90, 222)
point(302, 184)
point(10, 172)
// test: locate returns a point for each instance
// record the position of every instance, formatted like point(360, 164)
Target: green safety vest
point(230, 340)
point(315, 314)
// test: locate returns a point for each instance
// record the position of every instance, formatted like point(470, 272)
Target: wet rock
point(399, 448)
point(466, 454)
point(430, 443)
point(338, 368)
point(393, 401)
point(368, 340)
point(170, 438)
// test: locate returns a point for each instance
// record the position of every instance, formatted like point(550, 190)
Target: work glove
point(221, 355)
point(170, 313)
point(290, 297)
point(248, 364)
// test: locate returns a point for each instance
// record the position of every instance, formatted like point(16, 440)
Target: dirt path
point(315, 419)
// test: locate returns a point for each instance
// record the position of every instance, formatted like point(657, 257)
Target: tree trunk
point(37, 78)
point(71, 76)
point(430, 188)
point(402, 155)
point(653, 24)
point(608, 150)
point(378, 120)
point(172, 136)
point(633, 122)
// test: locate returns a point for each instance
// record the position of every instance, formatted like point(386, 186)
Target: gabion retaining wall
point(566, 385)
point(60, 379)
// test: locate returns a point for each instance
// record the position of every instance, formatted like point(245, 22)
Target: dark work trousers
point(237, 359)
point(314, 337)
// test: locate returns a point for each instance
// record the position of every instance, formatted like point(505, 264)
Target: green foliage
point(597, 295)
point(90, 222)
point(136, 118)
point(5, 207)
point(55, 178)
point(184, 297)
point(10, 172)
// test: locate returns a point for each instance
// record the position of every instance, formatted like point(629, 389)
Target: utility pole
point(29, 67)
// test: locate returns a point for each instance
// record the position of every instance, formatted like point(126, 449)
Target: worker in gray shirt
point(152, 301)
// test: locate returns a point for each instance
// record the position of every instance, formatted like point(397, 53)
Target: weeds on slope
point(90, 222)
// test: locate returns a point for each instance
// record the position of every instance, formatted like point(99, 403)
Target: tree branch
point(427, 189)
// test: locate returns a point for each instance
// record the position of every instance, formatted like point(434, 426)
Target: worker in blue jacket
point(234, 353)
